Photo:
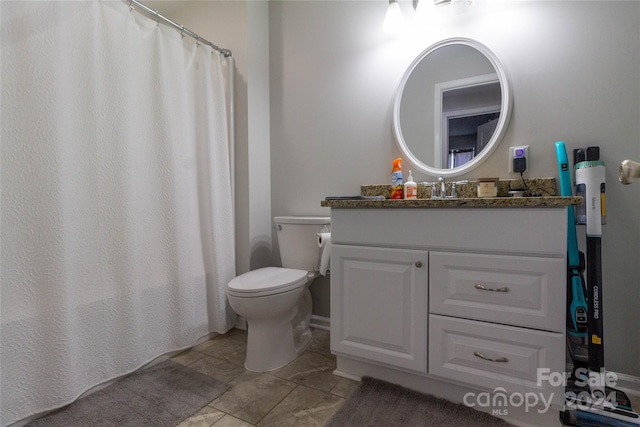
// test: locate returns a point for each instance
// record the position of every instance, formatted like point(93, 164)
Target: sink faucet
point(434, 189)
point(443, 187)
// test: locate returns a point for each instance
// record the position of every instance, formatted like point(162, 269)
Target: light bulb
point(393, 21)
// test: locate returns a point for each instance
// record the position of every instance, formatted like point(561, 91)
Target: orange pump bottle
point(397, 189)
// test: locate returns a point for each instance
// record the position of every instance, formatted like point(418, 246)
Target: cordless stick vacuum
point(589, 401)
point(590, 184)
point(577, 323)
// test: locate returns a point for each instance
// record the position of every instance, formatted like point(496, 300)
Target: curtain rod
point(183, 30)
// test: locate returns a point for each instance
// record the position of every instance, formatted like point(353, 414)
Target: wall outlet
point(517, 152)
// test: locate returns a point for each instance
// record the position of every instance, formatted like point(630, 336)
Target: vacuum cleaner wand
point(577, 343)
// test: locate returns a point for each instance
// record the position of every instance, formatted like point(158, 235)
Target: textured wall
point(575, 72)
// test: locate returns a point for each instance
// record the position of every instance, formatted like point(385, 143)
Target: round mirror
point(452, 107)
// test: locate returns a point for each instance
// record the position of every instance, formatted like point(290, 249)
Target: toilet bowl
point(276, 301)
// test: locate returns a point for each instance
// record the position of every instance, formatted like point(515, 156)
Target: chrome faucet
point(434, 189)
point(443, 188)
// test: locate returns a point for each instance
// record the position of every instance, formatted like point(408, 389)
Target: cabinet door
point(379, 305)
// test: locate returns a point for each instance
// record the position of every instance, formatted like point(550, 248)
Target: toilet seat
point(267, 281)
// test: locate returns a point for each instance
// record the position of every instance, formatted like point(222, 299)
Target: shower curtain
point(117, 230)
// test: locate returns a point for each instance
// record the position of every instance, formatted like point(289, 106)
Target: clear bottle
point(410, 188)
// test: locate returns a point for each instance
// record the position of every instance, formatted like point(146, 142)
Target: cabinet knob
point(419, 264)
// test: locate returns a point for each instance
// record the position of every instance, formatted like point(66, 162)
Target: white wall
point(575, 72)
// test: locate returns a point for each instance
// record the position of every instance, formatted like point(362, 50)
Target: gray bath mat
point(378, 403)
point(162, 395)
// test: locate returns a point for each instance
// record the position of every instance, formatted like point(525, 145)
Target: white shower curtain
point(117, 220)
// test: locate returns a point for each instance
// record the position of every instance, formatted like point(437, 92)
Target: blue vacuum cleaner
point(589, 402)
point(577, 323)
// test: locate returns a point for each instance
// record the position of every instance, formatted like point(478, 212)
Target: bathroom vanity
point(454, 298)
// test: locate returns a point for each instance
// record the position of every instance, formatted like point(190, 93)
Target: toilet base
point(277, 323)
point(271, 345)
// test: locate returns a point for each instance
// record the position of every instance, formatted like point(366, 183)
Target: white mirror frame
point(506, 106)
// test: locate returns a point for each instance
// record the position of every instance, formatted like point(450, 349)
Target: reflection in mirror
point(452, 107)
point(465, 118)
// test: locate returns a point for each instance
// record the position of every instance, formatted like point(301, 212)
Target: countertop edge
point(480, 202)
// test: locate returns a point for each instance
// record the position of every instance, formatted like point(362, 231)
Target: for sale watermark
point(500, 401)
point(583, 378)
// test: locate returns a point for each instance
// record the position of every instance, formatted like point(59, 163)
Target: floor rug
point(162, 395)
point(378, 403)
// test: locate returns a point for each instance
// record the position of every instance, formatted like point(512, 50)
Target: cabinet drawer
point(459, 350)
point(514, 290)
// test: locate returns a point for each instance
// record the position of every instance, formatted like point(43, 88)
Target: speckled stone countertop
point(537, 186)
point(543, 188)
point(467, 202)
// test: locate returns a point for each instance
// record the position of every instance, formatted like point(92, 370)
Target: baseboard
point(347, 376)
point(320, 322)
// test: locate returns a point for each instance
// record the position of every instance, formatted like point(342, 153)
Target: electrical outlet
point(517, 152)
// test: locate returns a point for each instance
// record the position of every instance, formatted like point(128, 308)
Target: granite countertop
point(468, 202)
point(467, 196)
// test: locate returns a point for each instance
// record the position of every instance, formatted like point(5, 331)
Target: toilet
point(276, 301)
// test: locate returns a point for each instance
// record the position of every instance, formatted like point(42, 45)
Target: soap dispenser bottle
point(396, 179)
point(410, 188)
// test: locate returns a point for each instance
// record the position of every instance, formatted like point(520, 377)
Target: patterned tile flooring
point(302, 393)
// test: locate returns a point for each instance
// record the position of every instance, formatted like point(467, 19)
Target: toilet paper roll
point(324, 242)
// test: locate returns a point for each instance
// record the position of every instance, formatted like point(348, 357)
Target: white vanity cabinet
point(449, 301)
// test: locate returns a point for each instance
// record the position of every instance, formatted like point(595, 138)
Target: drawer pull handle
point(482, 356)
point(419, 264)
point(484, 288)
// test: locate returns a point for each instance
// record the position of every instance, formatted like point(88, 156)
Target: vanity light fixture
point(416, 3)
point(393, 21)
point(424, 11)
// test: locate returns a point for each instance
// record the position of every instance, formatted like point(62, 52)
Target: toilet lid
point(268, 280)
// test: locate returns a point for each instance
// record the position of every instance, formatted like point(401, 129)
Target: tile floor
point(303, 393)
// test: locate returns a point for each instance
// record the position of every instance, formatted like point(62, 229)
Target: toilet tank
point(298, 240)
